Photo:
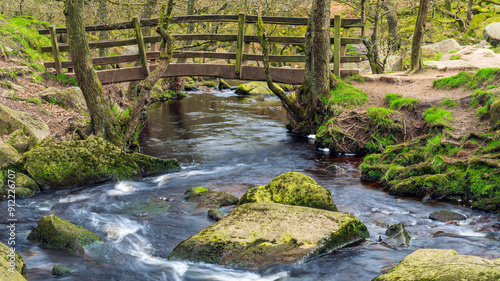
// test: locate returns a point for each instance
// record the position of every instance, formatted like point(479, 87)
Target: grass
point(453, 51)
point(355, 77)
point(345, 95)
point(25, 41)
point(34, 100)
point(437, 116)
point(484, 77)
point(397, 101)
point(496, 49)
point(450, 103)
point(455, 57)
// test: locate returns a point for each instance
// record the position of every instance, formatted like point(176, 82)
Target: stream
point(231, 144)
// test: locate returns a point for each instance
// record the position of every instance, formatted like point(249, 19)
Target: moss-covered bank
point(7, 259)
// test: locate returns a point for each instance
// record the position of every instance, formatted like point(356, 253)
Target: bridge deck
point(252, 73)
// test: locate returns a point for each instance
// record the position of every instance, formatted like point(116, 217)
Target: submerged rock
point(62, 270)
point(210, 198)
point(69, 164)
point(216, 214)
point(291, 188)
point(12, 120)
point(255, 88)
point(441, 265)
point(9, 258)
point(398, 235)
point(56, 233)
point(445, 215)
point(257, 235)
point(335, 169)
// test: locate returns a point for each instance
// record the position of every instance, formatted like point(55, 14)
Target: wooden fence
point(238, 70)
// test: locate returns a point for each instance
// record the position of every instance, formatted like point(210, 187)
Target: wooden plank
point(141, 46)
point(55, 50)
point(173, 70)
point(207, 18)
point(239, 46)
point(214, 37)
point(282, 75)
point(336, 46)
point(276, 58)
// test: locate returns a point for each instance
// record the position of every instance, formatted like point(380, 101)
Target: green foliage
point(484, 77)
point(352, 51)
point(390, 97)
point(34, 100)
point(37, 79)
point(436, 115)
point(496, 49)
point(345, 95)
point(355, 77)
point(24, 39)
point(455, 57)
point(450, 103)
point(63, 79)
point(453, 51)
point(397, 101)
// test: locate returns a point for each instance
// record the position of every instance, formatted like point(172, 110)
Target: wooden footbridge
point(238, 69)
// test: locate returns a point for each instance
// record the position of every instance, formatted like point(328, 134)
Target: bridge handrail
point(345, 23)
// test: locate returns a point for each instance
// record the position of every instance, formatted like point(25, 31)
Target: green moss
point(481, 78)
point(194, 190)
point(346, 96)
point(453, 51)
point(450, 103)
point(455, 57)
point(20, 265)
point(291, 188)
point(436, 116)
point(401, 103)
point(56, 233)
point(390, 97)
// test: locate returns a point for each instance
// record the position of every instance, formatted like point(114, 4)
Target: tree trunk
point(392, 25)
point(418, 38)
point(102, 121)
point(363, 17)
point(320, 69)
point(469, 12)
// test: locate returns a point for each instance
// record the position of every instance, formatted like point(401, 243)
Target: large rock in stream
point(59, 165)
point(56, 233)
point(256, 235)
point(291, 188)
point(255, 88)
point(443, 265)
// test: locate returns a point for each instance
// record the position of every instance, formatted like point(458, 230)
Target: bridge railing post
point(240, 40)
point(141, 45)
point(55, 49)
point(336, 45)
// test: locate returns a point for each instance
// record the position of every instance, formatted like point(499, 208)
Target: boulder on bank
point(70, 98)
point(25, 187)
point(12, 120)
point(6, 258)
point(445, 215)
point(441, 265)
point(8, 155)
point(255, 88)
point(56, 233)
point(291, 188)
point(444, 46)
point(19, 141)
point(60, 165)
point(257, 235)
point(491, 33)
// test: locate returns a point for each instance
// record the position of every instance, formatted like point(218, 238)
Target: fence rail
point(239, 70)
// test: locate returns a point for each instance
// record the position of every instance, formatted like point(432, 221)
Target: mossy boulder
point(398, 235)
point(443, 265)
point(68, 98)
point(208, 198)
point(59, 165)
point(56, 233)
point(61, 270)
point(223, 85)
point(491, 34)
point(12, 120)
point(7, 258)
point(291, 188)
point(255, 88)
point(194, 190)
point(8, 155)
point(257, 235)
point(445, 215)
point(216, 214)
point(25, 187)
point(19, 141)
point(494, 110)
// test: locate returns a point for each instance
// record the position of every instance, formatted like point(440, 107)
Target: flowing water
point(230, 144)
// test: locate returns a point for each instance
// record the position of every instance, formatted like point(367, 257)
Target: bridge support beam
point(240, 39)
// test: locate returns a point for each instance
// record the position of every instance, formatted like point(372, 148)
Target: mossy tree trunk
point(418, 38)
point(102, 120)
point(103, 35)
point(469, 12)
